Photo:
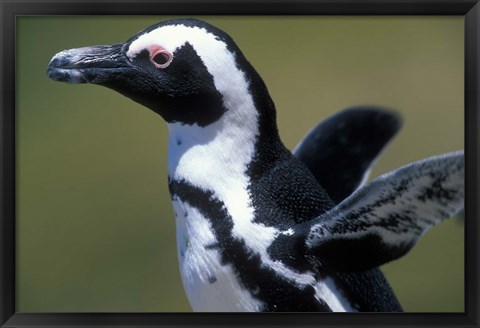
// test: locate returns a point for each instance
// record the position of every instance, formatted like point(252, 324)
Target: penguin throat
point(214, 157)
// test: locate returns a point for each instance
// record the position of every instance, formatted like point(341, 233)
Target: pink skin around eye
point(155, 51)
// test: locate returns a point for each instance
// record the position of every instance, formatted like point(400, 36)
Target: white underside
point(210, 286)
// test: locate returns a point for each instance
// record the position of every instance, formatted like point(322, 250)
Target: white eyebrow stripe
point(173, 37)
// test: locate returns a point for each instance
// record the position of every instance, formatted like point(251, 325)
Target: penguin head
point(185, 70)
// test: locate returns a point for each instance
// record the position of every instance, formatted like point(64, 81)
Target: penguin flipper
point(346, 146)
point(383, 220)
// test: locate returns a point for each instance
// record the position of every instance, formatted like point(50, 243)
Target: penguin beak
point(88, 65)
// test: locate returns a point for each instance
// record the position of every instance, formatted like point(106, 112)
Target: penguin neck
point(213, 157)
point(228, 150)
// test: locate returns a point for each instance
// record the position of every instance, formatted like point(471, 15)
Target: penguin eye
point(161, 58)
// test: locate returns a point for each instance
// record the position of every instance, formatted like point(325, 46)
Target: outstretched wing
point(383, 220)
point(341, 150)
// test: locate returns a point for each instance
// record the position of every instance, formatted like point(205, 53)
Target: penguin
point(259, 228)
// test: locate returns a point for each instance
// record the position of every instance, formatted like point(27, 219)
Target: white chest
point(209, 284)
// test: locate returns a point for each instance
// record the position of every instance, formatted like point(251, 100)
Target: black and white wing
point(383, 220)
point(341, 150)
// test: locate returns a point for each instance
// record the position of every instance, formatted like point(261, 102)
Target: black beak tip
point(58, 70)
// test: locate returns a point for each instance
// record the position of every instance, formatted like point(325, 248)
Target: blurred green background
point(94, 220)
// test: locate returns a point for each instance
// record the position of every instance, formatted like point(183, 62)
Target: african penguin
point(259, 228)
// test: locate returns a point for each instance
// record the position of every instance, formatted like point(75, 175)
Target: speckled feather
point(383, 220)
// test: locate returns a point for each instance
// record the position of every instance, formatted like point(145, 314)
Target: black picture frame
point(10, 9)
